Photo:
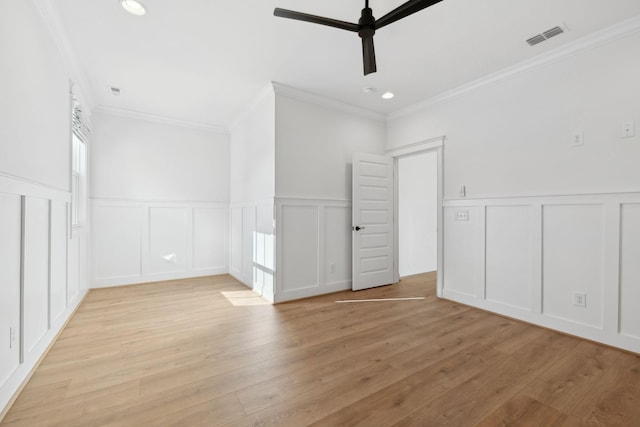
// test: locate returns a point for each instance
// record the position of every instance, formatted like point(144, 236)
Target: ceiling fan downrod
point(366, 32)
point(366, 26)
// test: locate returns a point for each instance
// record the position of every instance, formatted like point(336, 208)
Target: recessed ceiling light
point(388, 95)
point(134, 7)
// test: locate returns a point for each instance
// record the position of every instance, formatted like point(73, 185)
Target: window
point(78, 164)
point(79, 138)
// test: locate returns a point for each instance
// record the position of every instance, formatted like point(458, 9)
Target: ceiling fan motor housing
point(367, 23)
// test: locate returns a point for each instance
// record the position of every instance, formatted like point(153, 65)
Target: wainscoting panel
point(252, 246)
point(58, 262)
point(139, 241)
point(337, 245)
point(508, 253)
point(209, 229)
point(35, 271)
point(168, 240)
point(300, 247)
point(73, 270)
point(235, 263)
point(313, 239)
point(630, 270)
point(116, 242)
point(573, 260)
point(33, 281)
point(265, 249)
point(249, 214)
point(10, 223)
point(462, 250)
point(568, 263)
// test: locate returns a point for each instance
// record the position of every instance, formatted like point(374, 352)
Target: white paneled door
point(372, 228)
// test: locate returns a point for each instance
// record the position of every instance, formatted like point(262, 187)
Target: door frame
point(436, 145)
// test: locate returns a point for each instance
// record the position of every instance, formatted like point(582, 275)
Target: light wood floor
point(182, 353)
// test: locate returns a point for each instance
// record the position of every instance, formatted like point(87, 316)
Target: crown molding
point(131, 114)
point(264, 93)
point(615, 32)
point(416, 147)
point(79, 80)
point(300, 95)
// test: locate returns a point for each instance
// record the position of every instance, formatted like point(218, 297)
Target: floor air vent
point(539, 38)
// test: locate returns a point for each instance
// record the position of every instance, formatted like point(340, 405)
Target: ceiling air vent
point(552, 32)
point(539, 38)
point(536, 39)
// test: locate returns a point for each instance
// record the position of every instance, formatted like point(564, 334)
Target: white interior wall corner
point(315, 142)
point(252, 190)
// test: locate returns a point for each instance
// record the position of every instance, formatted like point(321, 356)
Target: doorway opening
point(418, 236)
point(417, 214)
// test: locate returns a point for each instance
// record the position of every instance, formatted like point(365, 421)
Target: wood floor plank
point(497, 384)
point(565, 384)
point(186, 353)
point(221, 410)
point(524, 411)
point(391, 404)
point(614, 400)
point(395, 349)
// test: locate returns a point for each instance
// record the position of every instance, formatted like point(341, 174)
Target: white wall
point(252, 176)
point(315, 142)
point(253, 151)
point(315, 145)
point(417, 216)
point(533, 200)
point(513, 137)
point(35, 116)
point(135, 159)
point(35, 105)
point(159, 197)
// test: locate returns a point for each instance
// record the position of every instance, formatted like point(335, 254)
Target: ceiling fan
point(366, 26)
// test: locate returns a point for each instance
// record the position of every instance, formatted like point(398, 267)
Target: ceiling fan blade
point(368, 55)
point(299, 16)
point(403, 11)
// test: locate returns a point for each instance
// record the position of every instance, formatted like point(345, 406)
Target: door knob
point(358, 228)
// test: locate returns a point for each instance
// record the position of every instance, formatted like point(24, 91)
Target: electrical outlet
point(12, 337)
point(577, 138)
point(628, 130)
point(579, 299)
point(462, 216)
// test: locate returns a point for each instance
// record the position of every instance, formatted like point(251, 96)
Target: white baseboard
point(132, 280)
point(312, 292)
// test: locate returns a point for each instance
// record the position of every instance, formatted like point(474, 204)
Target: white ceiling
point(205, 60)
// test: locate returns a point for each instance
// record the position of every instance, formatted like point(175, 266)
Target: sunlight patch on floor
point(244, 298)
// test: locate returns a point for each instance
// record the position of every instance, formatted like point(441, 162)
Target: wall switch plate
point(577, 138)
point(579, 299)
point(462, 216)
point(628, 130)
